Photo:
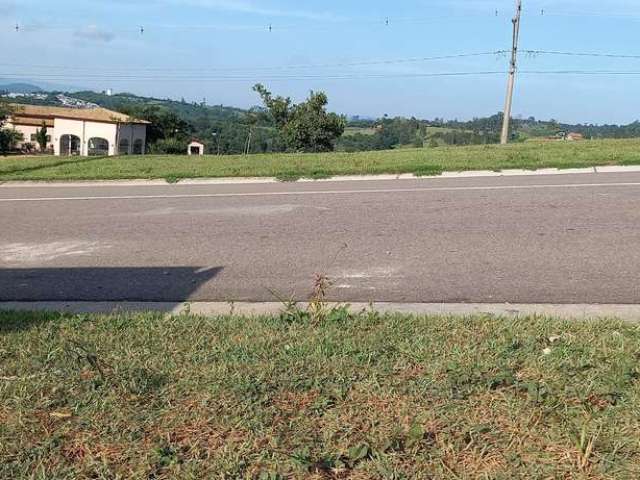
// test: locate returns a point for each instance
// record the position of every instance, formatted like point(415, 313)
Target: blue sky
point(190, 46)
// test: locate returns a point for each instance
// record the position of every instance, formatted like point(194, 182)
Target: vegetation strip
point(319, 393)
point(424, 162)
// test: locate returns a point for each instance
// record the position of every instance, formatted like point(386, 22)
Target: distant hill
point(227, 129)
point(189, 111)
point(20, 88)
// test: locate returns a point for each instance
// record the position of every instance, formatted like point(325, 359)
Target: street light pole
point(217, 137)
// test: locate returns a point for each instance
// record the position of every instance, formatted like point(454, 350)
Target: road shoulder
point(347, 178)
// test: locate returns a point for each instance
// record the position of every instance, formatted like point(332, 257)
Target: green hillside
point(226, 130)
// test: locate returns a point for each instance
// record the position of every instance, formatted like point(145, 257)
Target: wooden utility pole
point(504, 139)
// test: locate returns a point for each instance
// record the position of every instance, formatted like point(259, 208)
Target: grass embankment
point(370, 396)
point(426, 161)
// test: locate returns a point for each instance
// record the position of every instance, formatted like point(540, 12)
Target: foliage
point(305, 127)
point(41, 137)
point(226, 130)
point(231, 126)
point(8, 137)
point(460, 137)
point(5, 112)
point(403, 132)
point(165, 124)
point(222, 129)
point(169, 146)
point(360, 142)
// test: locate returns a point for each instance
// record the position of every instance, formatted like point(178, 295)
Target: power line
point(126, 71)
point(581, 72)
point(382, 21)
point(585, 14)
point(581, 54)
point(251, 77)
point(269, 27)
point(326, 77)
point(278, 67)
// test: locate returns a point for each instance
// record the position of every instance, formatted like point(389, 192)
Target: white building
point(196, 147)
point(81, 131)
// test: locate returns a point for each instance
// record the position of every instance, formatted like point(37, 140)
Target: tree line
point(281, 125)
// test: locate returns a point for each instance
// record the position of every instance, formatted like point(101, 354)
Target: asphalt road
point(538, 239)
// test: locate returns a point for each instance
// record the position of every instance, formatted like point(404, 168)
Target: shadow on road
point(134, 284)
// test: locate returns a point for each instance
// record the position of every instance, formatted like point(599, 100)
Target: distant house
point(574, 137)
point(80, 131)
point(196, 147)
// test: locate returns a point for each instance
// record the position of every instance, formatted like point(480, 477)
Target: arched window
point(69, 145)
point(98, 146)
point(123, 147)
point(138, 146)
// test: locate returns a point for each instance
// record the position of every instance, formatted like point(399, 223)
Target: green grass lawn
point(426, 161)
point(351, 397)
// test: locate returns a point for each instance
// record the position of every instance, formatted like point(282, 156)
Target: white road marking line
point(46, 252)
point(322, 192)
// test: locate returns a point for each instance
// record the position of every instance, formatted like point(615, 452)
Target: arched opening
point(98, 146)
point(138, 147)
point(123, 146)
point(69, 145)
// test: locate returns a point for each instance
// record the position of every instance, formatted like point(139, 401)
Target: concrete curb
point(344, 178)
point(574, 311)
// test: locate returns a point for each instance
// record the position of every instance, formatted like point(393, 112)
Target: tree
point(8, 136)
point(307, 126)
point(5, 112)
point(165, 124)
point(170, 146)
point(252, 121)
point(41, 137)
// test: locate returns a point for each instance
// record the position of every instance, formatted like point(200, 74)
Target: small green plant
point(318, 310)
point(317, 303)
point(287, 177)
point(86, 355)
point(428, 171)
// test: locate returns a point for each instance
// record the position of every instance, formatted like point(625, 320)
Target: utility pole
point(504, 139)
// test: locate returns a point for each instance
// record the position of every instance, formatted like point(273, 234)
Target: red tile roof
point(88, 114)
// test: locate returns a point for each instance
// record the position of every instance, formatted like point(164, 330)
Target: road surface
point(537, 239)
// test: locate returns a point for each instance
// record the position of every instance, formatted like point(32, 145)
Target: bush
point(9, 139)
point(170, 146)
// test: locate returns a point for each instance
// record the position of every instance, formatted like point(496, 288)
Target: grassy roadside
point(427, 161)
point(366, 396)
